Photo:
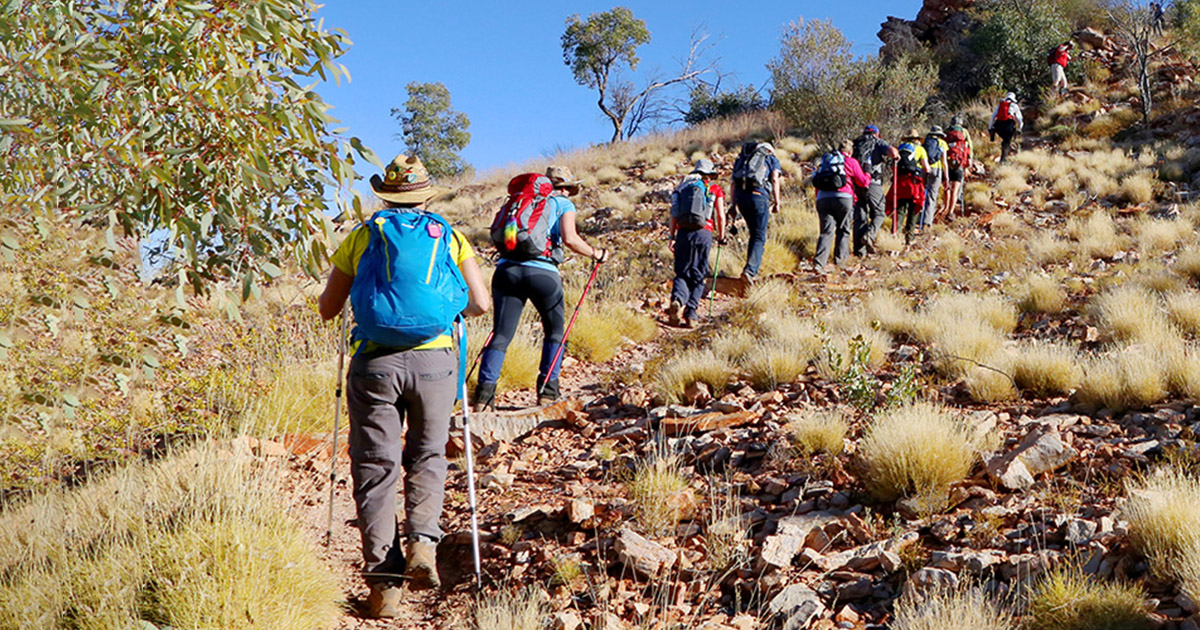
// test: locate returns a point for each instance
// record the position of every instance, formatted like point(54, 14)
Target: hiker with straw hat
point(402, 381)
point(936, 147)
point(519, 279)
point(908, 190)
point(697, 213)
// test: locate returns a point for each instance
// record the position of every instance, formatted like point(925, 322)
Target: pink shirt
point(855, 178)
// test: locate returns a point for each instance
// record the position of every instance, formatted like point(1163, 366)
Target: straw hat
point(913, 134)
point(405, 182)
point(564, 179)
point(704, 166)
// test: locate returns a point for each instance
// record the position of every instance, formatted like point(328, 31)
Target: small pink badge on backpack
point(434, 230)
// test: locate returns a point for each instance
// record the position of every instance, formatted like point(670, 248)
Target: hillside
point(1010, 402)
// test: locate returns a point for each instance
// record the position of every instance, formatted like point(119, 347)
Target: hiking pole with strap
point(468, 450)
point(567, 333)
point(712, 294)
point(337, 427)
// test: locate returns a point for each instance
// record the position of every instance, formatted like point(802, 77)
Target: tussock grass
point(1012, 180)
point(964, 330)
point(1039, 293)
point(299, 399)
point(821, 432)
point(735, 345)
point(778, 258)
point(509, 610)
point(602, 330)
point(961, 608)
point(1067, 600)
point(879, 344)
point(1128, 380)
point(769, 366)
point(889, 243)
point(1047, 369)
point(1008, 225)
point(1182, 371)
point(608, 174)
point(688, 367)
point(1162, 510)
point(1155, 236)
point(915, 449)
point(521, 362)
point(890, 310)
point(1096, 235)
point(948, 248)
point(661, 495)
point(1128, 313)
point(725, 541)
point(1183, 310)
point(990, 385)
point(773, 296)
point(993, 309)
point(1188, 264)
point(198, 540)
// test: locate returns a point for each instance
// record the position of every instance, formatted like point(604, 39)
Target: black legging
point(512, 286)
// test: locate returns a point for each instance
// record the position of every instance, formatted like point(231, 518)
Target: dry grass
point(1183, 310)
point(1155, 236)
point(1181, 365)
point(725, 541)
point(199, 540)
point(299, 399)
point(1129, 313)
point(822, 432)
point(949, 248)
point(688, 367)
point(1162, 510)
point(603, 329)
point(1039, 293)
point(1011, 181)
point(660, 493)
point(1068, 600)
point(521, 362)
point(735, 345)
point(1188, 264)
point(1128, 380)
point(890, 310)
point(509, 610)
point(1047, 369)
point(769, 366)
point(990, 384)
point(1096, 235)
point(963, 608)
point(916, 449)
point(990, 308)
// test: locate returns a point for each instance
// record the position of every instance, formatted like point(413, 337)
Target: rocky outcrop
point(939, 23)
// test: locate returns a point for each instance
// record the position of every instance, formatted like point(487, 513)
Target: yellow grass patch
point(916, 449)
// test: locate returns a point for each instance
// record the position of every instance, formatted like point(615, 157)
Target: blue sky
point(502, 62)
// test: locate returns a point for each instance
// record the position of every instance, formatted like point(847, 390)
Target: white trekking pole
point(469, 450)
point(337, 426)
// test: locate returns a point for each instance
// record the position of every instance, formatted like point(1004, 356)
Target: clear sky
point(502, 62)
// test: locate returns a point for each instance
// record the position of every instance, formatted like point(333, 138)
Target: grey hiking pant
point(933, 194)
point(869, 214)
point(834, 212)
point(400, 405)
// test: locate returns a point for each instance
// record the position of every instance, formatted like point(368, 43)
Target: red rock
point(706, 422)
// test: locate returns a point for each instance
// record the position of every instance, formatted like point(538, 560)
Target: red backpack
point(1002, 112)
point(521, 229)
point(959, 153)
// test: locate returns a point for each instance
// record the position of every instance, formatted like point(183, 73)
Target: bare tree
point(1136, 24)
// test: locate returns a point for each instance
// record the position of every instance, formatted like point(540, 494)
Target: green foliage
point(1012, 41)
point(710, 102)
point(828, 93)
point(602, 43)
point(854, 372)
point(433, 130)
point(1187, 22)
point(188, 119)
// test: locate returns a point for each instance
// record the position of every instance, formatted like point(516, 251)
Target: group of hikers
point(411, 278)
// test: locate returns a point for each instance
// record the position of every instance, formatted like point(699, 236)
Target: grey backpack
point(691, 205)
point(750, 168)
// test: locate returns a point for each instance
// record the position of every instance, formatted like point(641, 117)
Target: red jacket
point(1061, 56)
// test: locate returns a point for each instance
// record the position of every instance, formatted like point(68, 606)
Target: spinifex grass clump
point(821, 432)
point(916, 449)
point(660, 493)
point(507, 610)
point(1163, 510)
point(1068, 600)
point(962, 608)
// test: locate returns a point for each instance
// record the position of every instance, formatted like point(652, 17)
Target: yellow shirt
point(350, 252)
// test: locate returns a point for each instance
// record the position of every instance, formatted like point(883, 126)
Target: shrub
point(915, 449)
point(1162, 510)
point(822, 432)
point(661, 496)
point(1047, 369)
point(949, 609)
point(1067, 600)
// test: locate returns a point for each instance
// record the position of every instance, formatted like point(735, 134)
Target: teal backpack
point(407, 289)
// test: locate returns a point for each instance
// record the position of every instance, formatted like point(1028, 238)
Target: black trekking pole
point(337, 427)
point(567, 333)
point(468, 449)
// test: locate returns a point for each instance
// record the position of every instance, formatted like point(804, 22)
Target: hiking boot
point(690, 319)
point(422, 572)
point(547, 394)
point(384, 601)
point(675, 313)
point(483, 397)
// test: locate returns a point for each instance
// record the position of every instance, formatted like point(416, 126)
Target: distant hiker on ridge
point(1006, 121)
point(1058, 58)
point(403, 379)
point(697, 211)
point(528, 271)
point(756, 193)
point(871, 152)
point(836, 178)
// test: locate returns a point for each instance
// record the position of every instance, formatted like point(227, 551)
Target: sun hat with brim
point(564, 179)
point(913, 134)
point(704, 166)
point(936, 130)
point(1010, 97)
point(405, 181)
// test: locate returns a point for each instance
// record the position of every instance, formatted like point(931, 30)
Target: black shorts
point(955, 174)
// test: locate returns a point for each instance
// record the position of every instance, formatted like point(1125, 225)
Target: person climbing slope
point(1058, 58)
point(909, 187)
point(533, 277)
point(958, 160)
point(1006, 121)
point(756, 193)
point(402, 384)
point(697, 215)
point(872, 154)
point(935, 150)
point(836, 178)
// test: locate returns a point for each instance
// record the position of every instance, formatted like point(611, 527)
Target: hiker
point(908, 191)
point(697, 213)
point(872, 153)
point(935, 150)
point(958, 160)
point(1058, 59)
point(1007, 122)
point(1157, 17)
point(756, 193)
point(535, 279)
point(836, 178)
point(400, 396)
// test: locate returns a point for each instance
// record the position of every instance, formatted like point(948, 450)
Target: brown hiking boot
point(675, 313)
point(384, 601)
point(422, 565)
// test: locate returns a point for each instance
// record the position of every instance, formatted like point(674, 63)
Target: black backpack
point(830, 176)
point(933, 149)
point(750, 168)
point(864, 150)
point(908, 160)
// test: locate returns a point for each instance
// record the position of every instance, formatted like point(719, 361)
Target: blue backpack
point(407, 289)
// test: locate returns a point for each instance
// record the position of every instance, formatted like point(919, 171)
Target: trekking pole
point(469, 451)
point(567, 333)
point(337, 427)
point(895, 209)
point(479, 356)
point(712, 294)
